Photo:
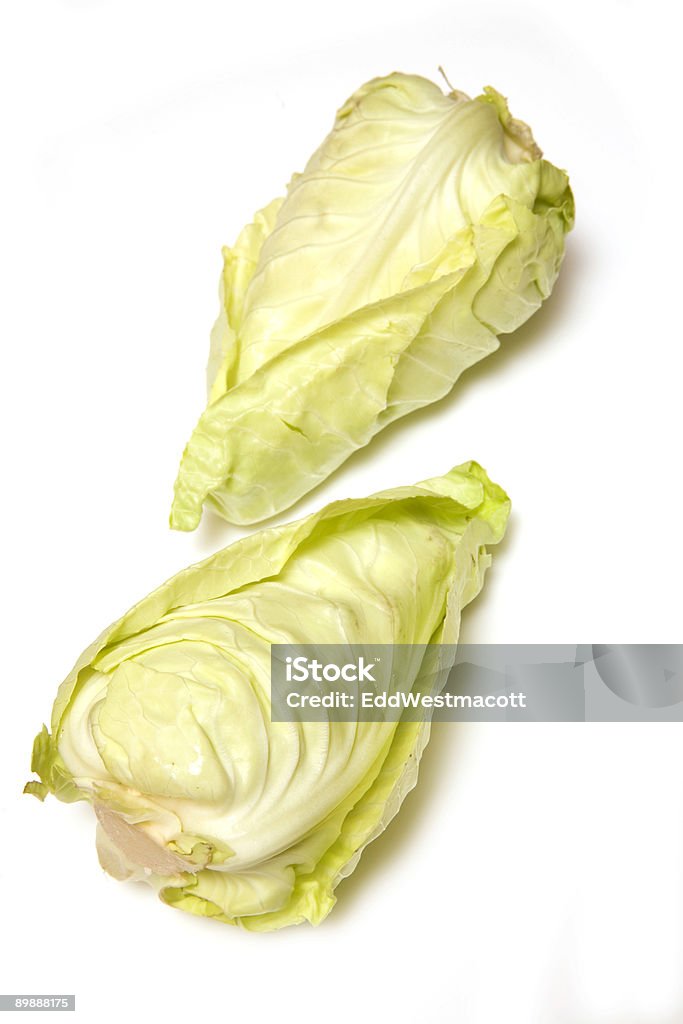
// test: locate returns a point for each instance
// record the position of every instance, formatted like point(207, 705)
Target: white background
point(536, 874)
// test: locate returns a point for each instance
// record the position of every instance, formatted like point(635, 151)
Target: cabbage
point(164, 723)
point(425, 225)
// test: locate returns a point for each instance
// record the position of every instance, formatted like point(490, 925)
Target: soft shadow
point(407, 823)
point(216, 532)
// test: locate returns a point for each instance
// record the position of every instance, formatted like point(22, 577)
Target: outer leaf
point(239, 265)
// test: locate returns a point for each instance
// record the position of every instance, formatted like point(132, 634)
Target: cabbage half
point(424, 226)
point(164, 722)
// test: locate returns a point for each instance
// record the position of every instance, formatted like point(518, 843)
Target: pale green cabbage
point(424, 226)
point(164, 723)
